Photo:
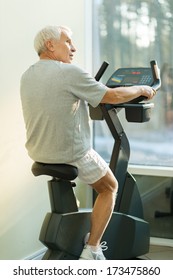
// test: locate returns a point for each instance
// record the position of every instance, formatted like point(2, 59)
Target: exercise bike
point(127, 234)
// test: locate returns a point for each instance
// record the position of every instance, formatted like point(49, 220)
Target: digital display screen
point(130, 76)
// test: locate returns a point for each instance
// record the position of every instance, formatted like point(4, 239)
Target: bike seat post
point(62, 197)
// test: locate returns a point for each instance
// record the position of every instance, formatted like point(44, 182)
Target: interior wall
point(24, 198)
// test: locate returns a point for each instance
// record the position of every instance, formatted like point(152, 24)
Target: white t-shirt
point(54, 97)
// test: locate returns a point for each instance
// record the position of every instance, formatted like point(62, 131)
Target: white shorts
point(91, 167)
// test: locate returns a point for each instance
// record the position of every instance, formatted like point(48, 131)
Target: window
point(129, 34)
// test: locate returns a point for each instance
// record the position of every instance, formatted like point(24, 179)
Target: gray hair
point(47, 33)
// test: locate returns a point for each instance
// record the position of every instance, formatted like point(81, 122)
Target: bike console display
point(125, 77)
point(130, 77)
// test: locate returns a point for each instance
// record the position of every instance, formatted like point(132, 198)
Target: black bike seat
point(61, 171)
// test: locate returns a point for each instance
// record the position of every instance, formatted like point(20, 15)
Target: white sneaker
point(103, 244)
point(89, 254)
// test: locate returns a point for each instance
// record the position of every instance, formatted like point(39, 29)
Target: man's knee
point(113, 184)
point(106, 183)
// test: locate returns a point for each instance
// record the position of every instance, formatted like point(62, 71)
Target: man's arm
point(124, 94)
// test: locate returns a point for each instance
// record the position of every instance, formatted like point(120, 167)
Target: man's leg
point(106, 188)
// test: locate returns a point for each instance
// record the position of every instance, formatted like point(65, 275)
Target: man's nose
point(73, 49)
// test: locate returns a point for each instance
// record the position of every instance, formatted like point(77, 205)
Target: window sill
point(151, 170)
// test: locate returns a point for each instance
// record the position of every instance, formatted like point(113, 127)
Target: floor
point(159, 252)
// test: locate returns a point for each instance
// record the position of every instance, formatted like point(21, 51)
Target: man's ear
point(50, 45)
